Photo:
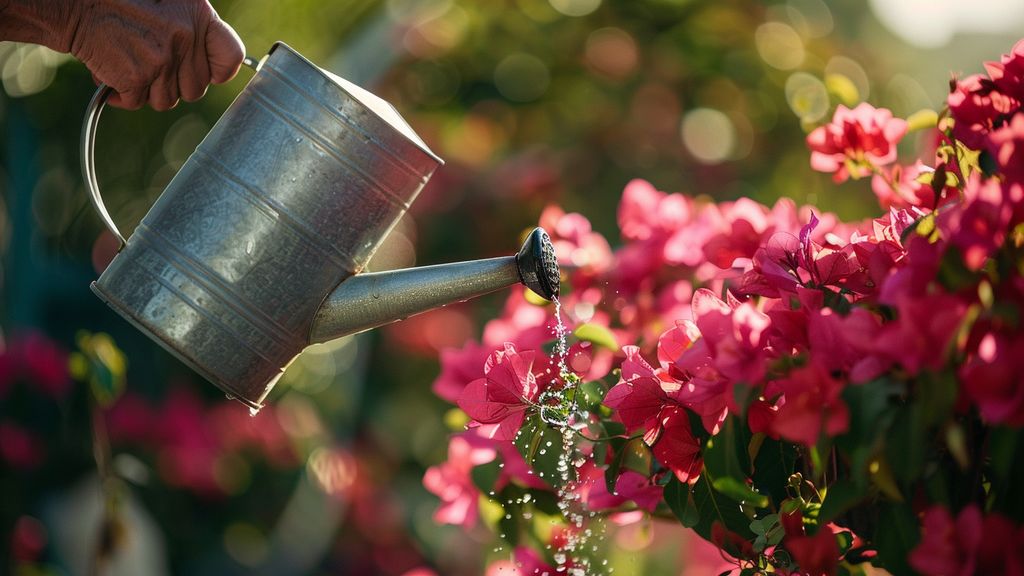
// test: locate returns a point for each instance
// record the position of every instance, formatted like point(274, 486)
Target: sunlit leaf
point(597, 334)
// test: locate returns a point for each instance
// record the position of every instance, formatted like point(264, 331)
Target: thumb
point(225, 51)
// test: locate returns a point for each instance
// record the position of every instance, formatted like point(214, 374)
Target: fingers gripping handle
point(88, 157)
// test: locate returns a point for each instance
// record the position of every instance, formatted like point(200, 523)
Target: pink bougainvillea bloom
point(978, 225)
point(19, 448)
point(735, 335)
point(744, 225)
point(38, 361)
point(187, 447)
point(856, 141)
point(452, 483)
point(991, 376)
point(576, 244)
point(970, 544)
point(642, 403)
point(921, 335)
point(459, 367)
point(639, 489)
point(1007, 147)
point(676, 447)
point(817, 555)
point(638, 397)
point(982, 104)
point(897, 186)
point(503, 395)
point(812, 406)
point(978, 107)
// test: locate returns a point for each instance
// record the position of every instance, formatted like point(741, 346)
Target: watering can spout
point(372, 299)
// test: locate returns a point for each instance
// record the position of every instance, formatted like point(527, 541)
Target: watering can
point(255, 249)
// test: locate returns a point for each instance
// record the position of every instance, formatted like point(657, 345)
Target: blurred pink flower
point(978, 224)
point(970, 544)
point(20, 448)
point(856, 141)
point(459, 367)
point(897, 186)
point(991, 377)
point(452, 483)
point(37, 361)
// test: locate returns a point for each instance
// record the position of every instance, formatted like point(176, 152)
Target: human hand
point(155, 52)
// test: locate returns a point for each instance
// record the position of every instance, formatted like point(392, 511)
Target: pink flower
point(1006, 144)
point(978, 224)
point(459, 367)
point(991, 377)
point(980, 105)
point(638, 397)
point(970, 544)
point(576, 244)
point(735, 336)
point(503, 395)
point(642, 403)
point(675, 446)
point(856, 141)
point(526, 562)
point(20, 448)
point(38, 361)
point(453, 484)
point(817, 555)
point(896, 186)
point(811, 405)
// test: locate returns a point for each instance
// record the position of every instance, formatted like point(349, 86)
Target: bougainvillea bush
point(809, 395)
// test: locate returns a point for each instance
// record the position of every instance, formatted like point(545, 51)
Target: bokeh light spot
point(816, 16)
point(709, 135)
point(522, 77)
point(611, 52)
point(779, 45)
point(807, 96)
point(575, 7)
point(841, 65)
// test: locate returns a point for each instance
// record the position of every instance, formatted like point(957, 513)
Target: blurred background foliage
point(531, 103)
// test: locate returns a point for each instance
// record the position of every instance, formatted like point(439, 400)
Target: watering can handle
point(88, 145)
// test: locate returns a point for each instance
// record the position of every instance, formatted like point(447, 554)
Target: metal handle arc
point(88, 157)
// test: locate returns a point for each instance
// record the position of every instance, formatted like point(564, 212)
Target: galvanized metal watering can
point(254, 250)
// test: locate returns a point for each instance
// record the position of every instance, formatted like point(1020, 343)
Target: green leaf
point(589, 395)
point(725, 454)
point(872, 410)
point(485, 475)
point(1006, 449)
point(839, 498)
point(739, 491)
point(907, 445)
point(680, 500)
point(637, 457)
point(598, 335)
point(772, 466)
point(546, 502)
point(922, 119)
point(712, 506)
point(541, 447)
point(896, 535)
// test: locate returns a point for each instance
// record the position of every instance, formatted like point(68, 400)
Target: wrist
point(50, 23)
